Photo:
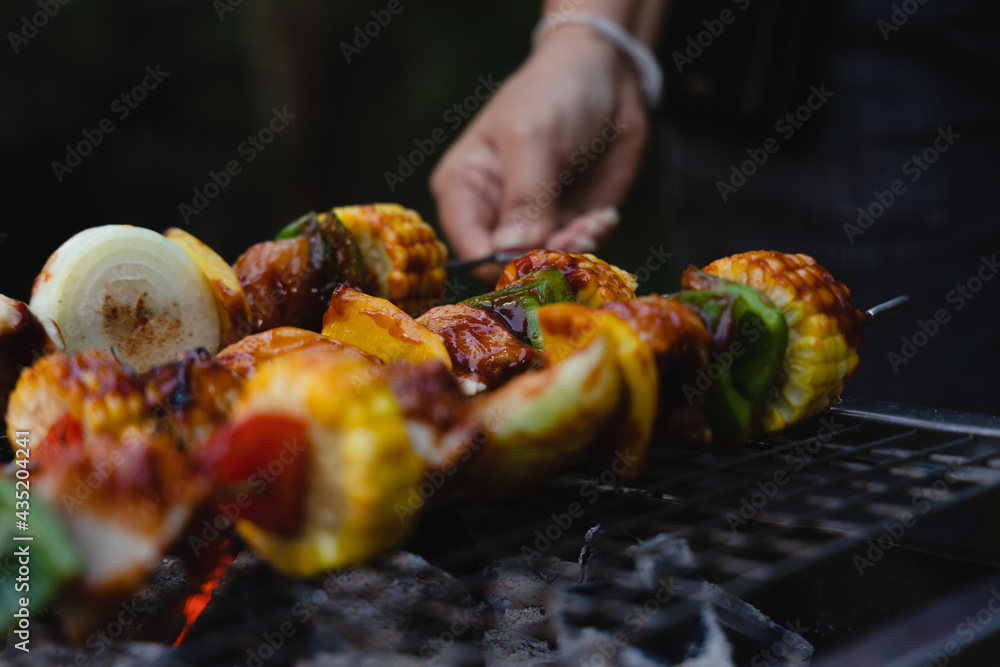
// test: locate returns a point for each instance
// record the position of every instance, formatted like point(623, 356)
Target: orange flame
point(198, 600)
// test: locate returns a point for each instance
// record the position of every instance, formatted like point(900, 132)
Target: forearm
point(640, 17)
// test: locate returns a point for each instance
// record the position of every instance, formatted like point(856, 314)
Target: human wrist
point(584, 29)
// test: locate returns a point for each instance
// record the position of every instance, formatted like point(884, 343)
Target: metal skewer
point(883, 311)
point(874, 315)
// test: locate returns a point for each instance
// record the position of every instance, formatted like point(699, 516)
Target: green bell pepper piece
point(52, 556)
point(729, 412)
point(518, 303)
point(759, 327)
point(340, 247)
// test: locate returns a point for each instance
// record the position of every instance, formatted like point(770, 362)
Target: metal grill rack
point(863, 470)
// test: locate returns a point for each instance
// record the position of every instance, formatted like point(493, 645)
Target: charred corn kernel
point(824, 330)
point(592, 280)
point(91, 388)
point(404, 258)
point(361, 467)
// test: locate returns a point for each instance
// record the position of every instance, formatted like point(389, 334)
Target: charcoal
point(47, 650)
point(656, 611)
point(401, 602)
point(604, 553)
point(501, 648)
point(516, 590)
point(624, 602)
point(121, 639)
point(363, 660)
point(754, 636)
point(250, 620)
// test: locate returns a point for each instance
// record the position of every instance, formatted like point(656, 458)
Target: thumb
point(528, 210)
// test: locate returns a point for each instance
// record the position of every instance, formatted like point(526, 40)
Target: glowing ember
point(198, 600)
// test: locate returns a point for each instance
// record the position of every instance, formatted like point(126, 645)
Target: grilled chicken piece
point(246, 357)
point(23, 339)
point(824, 330)
point(435, 409)
point(484, 353)
point(287, 282)
point(93, 393)
point(593, 280)
point(191, 398)
point(681, 345)
point(124, 499)
point(117, 454)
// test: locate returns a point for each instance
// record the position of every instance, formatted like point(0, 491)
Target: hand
point(573, 111)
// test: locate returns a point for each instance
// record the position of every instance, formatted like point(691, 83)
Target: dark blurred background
point(230, 65)
point(352, 119)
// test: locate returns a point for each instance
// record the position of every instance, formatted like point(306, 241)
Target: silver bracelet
point(650, 74)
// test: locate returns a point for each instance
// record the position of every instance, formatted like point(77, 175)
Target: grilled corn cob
point(592, 280)
point(340, 419)
point(403, 256)
point(89, 391)
point(824, 330)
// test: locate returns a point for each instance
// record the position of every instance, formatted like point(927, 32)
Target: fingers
point(467, 189)
point(587, 232)
point(528, 208)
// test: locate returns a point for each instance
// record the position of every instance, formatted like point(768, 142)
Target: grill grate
point(756, 514)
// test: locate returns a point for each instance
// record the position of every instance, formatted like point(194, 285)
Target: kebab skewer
point(577, 369)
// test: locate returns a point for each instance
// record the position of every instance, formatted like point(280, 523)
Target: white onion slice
point(130, 291)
